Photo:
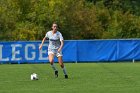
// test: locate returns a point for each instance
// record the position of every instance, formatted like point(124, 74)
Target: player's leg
point(62, 66)
point(51, 59)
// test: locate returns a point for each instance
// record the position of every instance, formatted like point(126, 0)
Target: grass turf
point(83, 78)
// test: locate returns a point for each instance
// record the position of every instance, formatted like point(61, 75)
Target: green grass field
point(83, 78)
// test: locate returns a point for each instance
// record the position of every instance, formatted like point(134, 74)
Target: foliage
point(78, 19)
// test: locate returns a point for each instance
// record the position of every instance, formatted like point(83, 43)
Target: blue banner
point(73, 51)
point(23, 52)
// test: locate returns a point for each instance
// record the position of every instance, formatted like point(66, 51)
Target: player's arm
point(40, 47)
point(61, 42)
point(61, 46)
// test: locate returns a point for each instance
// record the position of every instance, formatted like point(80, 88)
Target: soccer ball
point(34, 76)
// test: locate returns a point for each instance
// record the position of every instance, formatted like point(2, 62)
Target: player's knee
point(62, 66)
point(51, 62)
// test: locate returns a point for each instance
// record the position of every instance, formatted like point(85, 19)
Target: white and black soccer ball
point(34, 76)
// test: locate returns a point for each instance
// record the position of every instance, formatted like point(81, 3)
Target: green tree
point(77, 19)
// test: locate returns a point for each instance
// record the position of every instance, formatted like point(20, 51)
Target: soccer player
point(55, 48)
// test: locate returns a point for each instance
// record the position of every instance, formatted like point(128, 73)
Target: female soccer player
point(55, 48)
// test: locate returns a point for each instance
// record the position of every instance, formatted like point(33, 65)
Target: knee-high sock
point(53, 67)
point(64, 71)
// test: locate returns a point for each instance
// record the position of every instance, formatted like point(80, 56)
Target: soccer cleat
point(56, 73)
point(66, 76)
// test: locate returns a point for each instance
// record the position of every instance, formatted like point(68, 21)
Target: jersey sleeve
point(61, 37)
point(47, 36)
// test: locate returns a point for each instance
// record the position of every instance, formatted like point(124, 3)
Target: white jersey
point(54, 39)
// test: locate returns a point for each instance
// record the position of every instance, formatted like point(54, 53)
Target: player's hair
point(54, 23)
point(57, 25)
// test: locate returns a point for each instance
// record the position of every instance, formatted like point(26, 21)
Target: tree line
point(77, 19)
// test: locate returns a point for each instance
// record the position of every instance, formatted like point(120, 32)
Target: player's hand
point(59, 50)
point(40, 47)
